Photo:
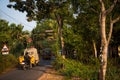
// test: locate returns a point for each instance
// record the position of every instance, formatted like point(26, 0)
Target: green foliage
point(17, 49)
point(72, 68)
point(13, 36)
point(113, 69)
point(113, 73)
point(57, 63)
point(4, 32)
point(7, 61)
point(78, 36)
point(39, 10)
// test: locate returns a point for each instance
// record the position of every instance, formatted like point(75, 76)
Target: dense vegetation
point(81, 71)
point(13, 36)
point(7, 62)
point(15, 39)
point(77, 37)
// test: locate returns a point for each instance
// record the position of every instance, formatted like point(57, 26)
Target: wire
point(14, 19)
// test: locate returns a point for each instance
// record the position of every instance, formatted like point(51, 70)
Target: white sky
point(13, 16)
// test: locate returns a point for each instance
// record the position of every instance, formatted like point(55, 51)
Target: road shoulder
point(51, 74)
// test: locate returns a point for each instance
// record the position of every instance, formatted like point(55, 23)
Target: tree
point(42, 9)
point(86, 25)
point(104, 39)
point(41, 34)
point(108, 14)
point(4, 32)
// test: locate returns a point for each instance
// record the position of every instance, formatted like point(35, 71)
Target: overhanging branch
point(111, 7)
point(112, 22)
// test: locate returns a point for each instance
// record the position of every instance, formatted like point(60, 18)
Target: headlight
point(23, 63)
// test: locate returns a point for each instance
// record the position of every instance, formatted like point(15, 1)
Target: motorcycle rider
point(32, 51)
point(27, 58)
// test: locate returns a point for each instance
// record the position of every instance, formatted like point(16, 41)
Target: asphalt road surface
point(32, 74)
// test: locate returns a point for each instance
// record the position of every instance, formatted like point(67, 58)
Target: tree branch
point(116, 20)
point(111, 7)
point(94, 10)
point(111, 27)
point(102, 5)
point(100, 19)
point(110, 32)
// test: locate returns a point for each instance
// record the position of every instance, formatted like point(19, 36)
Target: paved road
point(32, 74)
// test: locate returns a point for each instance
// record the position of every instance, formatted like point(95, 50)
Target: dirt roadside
point(51, 74)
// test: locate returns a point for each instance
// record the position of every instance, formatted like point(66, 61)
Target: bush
point(72, 68)
point(7, 61)
point(113, 73)
point(58, 62)
point(113, 69)
point(77, 69)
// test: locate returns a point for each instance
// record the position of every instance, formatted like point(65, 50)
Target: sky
point(14, 16)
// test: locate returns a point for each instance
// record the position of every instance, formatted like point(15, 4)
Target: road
point(32, 74)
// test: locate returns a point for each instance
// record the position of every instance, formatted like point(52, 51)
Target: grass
point(76, 69)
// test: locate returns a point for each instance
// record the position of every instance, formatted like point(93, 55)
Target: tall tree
point(86, 24)
point(42, 9)
point(108, 14)
point(104, 39)
point(4, 32)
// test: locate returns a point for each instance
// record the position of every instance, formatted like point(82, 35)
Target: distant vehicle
point(47, 53)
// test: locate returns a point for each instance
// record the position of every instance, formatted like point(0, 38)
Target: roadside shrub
point(113, 73)
point(58, 62)
point(113, 70)
point(73, 68)
point(76, 69)
point(7, 61)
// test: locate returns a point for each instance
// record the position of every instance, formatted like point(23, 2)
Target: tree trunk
point(104, 56)
point(60, 31)
point(104, 44)
point(103, 65)
point(104, 40)
point(95, 50)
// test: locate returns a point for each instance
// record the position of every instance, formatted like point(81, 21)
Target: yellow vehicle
point(32, 52)
point(30, 57)
point(26, 62)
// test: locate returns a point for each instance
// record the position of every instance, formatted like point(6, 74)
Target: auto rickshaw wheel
point(31, 65)
point(24, 67)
